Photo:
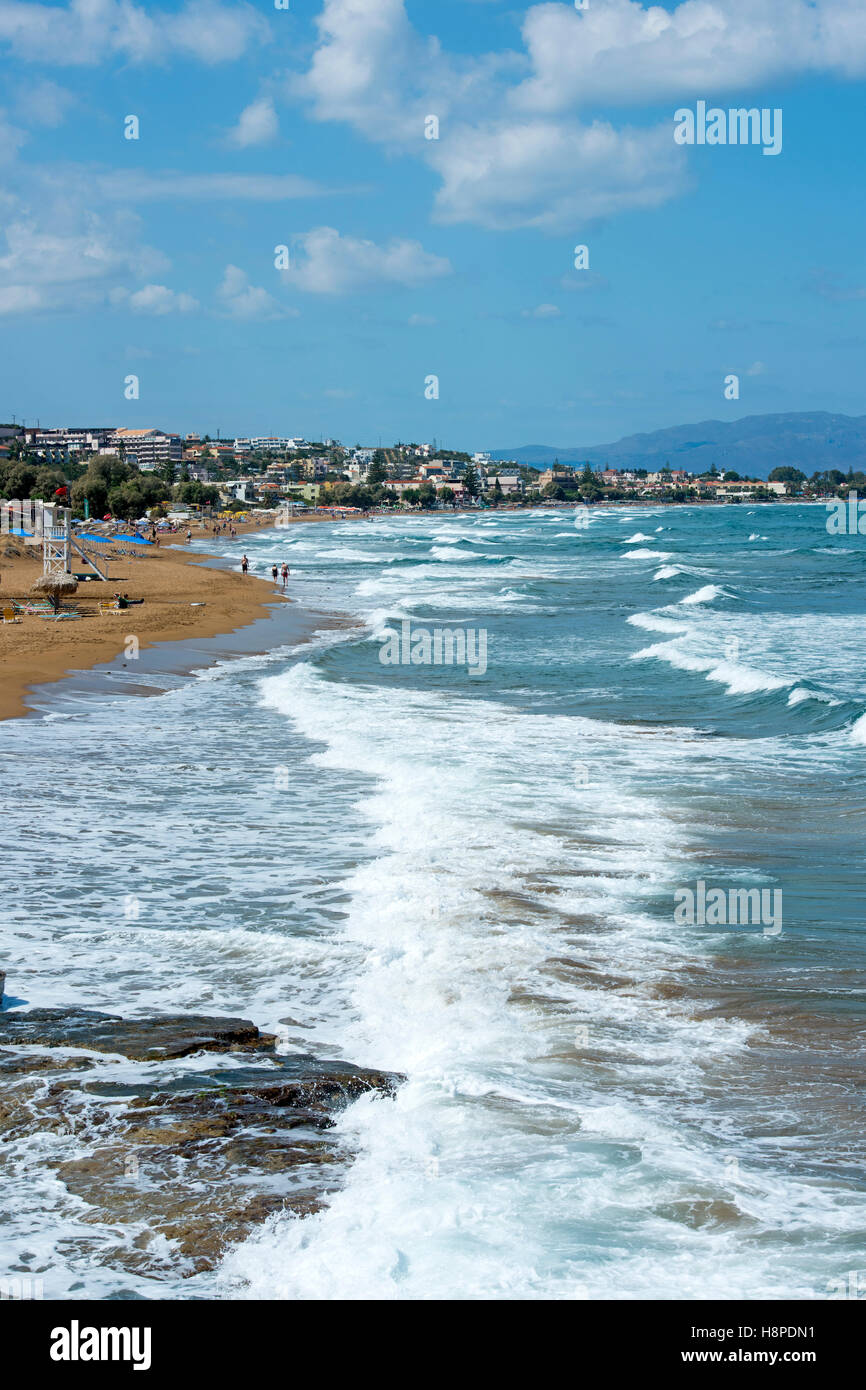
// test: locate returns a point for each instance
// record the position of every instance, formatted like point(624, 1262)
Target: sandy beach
point(184, 598)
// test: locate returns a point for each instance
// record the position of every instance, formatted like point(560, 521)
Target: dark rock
point(203, 1157)
point(140, 1039)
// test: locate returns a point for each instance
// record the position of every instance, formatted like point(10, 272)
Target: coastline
point(197, 610)
point(189, 599)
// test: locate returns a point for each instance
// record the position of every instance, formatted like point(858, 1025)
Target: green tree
point(196, 494)
point(19, 478)
point(787, 474)
point(46, 483)
point(377, 472)
point(470, 481)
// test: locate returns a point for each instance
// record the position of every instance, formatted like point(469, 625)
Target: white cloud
point(335, 264)
point(43, 103)
point(542, 311)
point(553, 174)
point(85, 32)
point(420, 321)
point(757, 369)
point(241, 300)
point(374, 70)
point(831, 286)
point(45, 269)
point(19, 299)
point(540, 160)
point(11, 138)
point(134, 186)
point(621, 52)
point(580, 281)
point(257, 124)
point(155, 299)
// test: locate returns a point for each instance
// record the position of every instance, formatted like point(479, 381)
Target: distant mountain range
point(809, 440)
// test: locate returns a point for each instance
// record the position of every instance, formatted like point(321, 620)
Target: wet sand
point(188, 599)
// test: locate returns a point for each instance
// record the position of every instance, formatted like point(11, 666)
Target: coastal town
point(130, 473)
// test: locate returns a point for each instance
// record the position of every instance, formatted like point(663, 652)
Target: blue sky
point(411, 257)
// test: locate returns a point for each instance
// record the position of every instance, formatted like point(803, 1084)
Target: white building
point(272, 444)
point(508, 483)
point(58, 445)
point(148, 449)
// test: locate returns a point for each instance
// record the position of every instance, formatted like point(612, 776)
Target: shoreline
point(197, 610)
point(195, 606)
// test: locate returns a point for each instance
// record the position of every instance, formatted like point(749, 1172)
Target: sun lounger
point(35, 606)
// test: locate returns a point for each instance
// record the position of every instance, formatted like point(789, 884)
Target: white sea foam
point(655, 622)
point(706, 594)
point(505, 1144)
point(858, 730)
point(799, 694)
point(738, 679)
point(360, 557)
point(646, 555)
point(450, 552)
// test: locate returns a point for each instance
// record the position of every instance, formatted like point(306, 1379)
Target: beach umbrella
point(55, 586)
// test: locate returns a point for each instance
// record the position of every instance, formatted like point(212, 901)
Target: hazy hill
point(754, 445)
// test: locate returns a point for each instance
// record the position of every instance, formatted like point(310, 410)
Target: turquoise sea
point(470, 878)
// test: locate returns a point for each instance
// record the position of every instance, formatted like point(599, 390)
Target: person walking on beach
point(274, 572)
point(285, 573)
point(245, 564)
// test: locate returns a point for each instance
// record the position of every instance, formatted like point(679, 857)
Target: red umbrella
point(60, 492)
point(107, 516)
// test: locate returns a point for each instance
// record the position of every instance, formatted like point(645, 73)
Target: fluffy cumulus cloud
point(622, 52)
point(90, 260)
point(155, 299)
point(542, 311)
point(12, 137)
point(552, 174)
point(43, 103)
point(85, 32)
point(329, 263)
point(257, 124)
point(542, 160)
point(241, 300)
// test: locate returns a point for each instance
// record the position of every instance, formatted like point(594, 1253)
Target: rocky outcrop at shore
point(196, 1158)
point(140, 1039)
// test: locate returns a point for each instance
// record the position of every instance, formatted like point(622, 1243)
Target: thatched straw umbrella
point(55, 586)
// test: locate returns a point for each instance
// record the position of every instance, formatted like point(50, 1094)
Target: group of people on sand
point(218, 531)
